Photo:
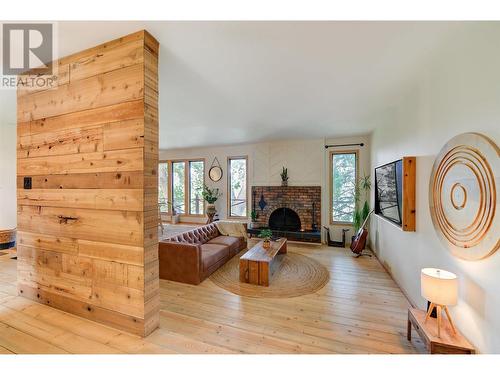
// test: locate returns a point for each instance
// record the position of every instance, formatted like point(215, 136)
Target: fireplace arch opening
point(285, 219)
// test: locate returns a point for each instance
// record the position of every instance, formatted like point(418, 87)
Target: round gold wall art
point(463, 196)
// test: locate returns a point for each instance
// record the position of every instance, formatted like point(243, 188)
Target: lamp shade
point(439, 286)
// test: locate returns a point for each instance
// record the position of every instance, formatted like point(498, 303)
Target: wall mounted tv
point(395, 192)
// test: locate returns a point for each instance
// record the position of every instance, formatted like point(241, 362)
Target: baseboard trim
point(410, 301)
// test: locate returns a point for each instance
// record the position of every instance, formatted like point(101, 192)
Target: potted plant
point(361, 212)
point(176, 218)
point(266, 235)
point(253, 217)
point(210, 196)
point(284, 177)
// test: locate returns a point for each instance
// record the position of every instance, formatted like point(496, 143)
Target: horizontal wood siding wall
point(87, 230)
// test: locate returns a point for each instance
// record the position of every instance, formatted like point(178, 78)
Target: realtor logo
point(28, 50)
point(27, 46)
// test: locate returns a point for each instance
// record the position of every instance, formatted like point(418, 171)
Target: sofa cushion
point(232, 242)
point(196, 236)
point(212, 254)
point(209, 231)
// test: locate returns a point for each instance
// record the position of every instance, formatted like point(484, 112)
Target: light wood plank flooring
point(361, 310)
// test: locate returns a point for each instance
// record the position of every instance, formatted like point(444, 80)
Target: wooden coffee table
point(258, 265)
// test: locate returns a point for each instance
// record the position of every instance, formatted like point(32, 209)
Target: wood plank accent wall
point(87, 230)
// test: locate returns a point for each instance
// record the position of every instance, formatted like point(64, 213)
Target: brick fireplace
point(288, 202)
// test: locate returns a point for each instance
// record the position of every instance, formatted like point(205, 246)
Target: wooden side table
point(448, 343)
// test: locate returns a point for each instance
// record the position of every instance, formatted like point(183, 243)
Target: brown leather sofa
point(192, 256)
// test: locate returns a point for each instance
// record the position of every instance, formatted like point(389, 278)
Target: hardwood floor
point(361, 310)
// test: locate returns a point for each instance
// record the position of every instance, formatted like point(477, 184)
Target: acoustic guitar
point(359, 242)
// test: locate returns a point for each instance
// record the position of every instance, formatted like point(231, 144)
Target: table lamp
point(440, 288)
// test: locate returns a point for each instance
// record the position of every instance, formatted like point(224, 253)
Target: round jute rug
point(297, 275)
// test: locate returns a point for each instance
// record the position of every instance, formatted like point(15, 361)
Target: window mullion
point(169, 187)
point(186, 187)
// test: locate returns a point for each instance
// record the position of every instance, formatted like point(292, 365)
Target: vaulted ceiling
point(234, 82)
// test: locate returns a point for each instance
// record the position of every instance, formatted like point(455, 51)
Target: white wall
point(8, 142)
point(457, 91)
point(306, 160)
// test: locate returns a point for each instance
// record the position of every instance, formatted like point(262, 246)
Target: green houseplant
point(284, 177)
point(266, 235)
point(253, 219)
point(210, 196)
point(361, 212)
point(175, 217)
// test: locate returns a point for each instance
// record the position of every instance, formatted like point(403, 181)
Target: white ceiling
point(238, 82)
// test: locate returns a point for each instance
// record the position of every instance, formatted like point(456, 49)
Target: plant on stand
point(284, 177)
point(266, 235)
point(210, 196)
point(253, 217)
point(175, 217)
point(361, 212)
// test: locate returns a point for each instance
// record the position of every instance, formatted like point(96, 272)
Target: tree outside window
point(343, 186)
point(179, 186)
point(180, 183)
point(163, 186)
point(237, 187)
point(196, 180)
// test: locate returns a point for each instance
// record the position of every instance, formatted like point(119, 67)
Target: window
point(343, 177)
point(196, 181)
point(237, 187)
point(179, 186)
point(163, 187)
point(181, 183)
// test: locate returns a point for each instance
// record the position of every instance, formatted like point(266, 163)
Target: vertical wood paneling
point(87, 241)
point(150, 276)
point(409, 193)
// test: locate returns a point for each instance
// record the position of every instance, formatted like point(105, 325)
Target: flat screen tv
point(389, 191)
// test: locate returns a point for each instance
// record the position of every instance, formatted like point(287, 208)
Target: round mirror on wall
point(215, 173)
